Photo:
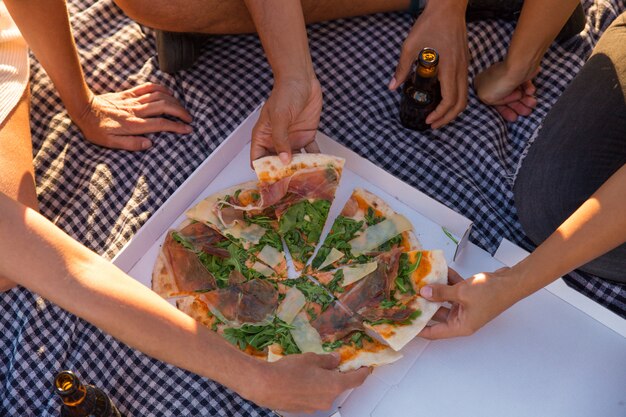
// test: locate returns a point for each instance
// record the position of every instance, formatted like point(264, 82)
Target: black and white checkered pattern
point(102, 197)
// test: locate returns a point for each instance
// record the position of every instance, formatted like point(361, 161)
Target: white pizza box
point(552, 354)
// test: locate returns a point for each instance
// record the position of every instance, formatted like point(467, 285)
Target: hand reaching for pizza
point(303, 383)
point(512, 95)
point(475, 302)
point(288, 120)
point(119, 120)
point(440, 26)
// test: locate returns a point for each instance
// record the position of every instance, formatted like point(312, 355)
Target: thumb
point(330, 361)
point(439, 292)
point(280, 137)
point(405, 63)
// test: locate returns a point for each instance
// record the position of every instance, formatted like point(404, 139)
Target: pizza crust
point(271, 168)
point(370, 358)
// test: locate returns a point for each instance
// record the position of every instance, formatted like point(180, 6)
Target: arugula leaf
point(260, 337)
point(311, 291)
point(450, 236)
point(405, 269)
point(408, 321)
point(236, 195)
point(330, 346)
point(389, 303)
point(301, 226)
point(344, 229)
point(335, 284)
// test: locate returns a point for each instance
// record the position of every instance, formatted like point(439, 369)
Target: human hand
point(513, 95)
point(441, 26)
point(475, 302)
point(288, 120)
point(304, 383)
point(119, 120)
point(6, 284)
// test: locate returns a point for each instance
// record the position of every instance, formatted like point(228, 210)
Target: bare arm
point(507, 84)
point(598, 226)
point(42, 258)
point(290, 117)
point(112, 120)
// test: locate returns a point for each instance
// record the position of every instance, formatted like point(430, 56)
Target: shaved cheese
point(352, 274)
point(379, 233)
point(204, 212)
point(274, 352)
point(263, 269)
point(251, 233)
point(305, 335)
point(271, 256)
point(333, 256)
point(291, 305)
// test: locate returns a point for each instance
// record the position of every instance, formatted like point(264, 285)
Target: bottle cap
point(428, 57)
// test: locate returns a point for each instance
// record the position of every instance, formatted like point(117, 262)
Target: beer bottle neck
point(70, 389)
point(426, 72)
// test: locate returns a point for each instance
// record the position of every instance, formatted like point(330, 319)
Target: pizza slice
point(366, 226)
point(237, 214)
point(300, 193)
point(388, 301)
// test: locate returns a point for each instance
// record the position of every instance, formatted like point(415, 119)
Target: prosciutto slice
point(375, 287)
point(249, 302)
point(335, 323)
point(186, 269)
point(203, 238)
point(312, 183)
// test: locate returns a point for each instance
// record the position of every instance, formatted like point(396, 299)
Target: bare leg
point(232, 17)
point(17, 174)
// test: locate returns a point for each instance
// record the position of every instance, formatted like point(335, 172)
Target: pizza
point(226, 265)
point(300, 194)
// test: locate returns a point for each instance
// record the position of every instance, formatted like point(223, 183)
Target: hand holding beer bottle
point(441, 26)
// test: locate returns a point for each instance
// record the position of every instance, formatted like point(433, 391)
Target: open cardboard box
point(555, 353)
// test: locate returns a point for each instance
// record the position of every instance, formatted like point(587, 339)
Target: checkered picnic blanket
point(102, 197)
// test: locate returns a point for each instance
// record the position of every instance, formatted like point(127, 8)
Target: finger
point(449, 93)
point(163, 107)
point(529, 101)
point(529, 88)
point(330, 361)
point(519, 108)
point(515, 95)
point(147, 88)
point(280, 136)
point(437, 331)
point(312, 147)
point(155, 96)
point(159, 124)
point(128, 143)
point(508, 114)
point(454, 277)
point(439, 292)
point(441, 315)
point(408, 54)
point(356, 377)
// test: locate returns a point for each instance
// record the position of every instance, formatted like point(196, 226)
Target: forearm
point(46, 28)
point(282, 30)
point(538, 25)
point(598, 226)
point(42, 258)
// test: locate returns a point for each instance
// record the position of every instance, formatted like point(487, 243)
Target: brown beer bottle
point(82, 400)
point(421, 93)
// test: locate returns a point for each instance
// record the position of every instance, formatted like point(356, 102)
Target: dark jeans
point(581, 144)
